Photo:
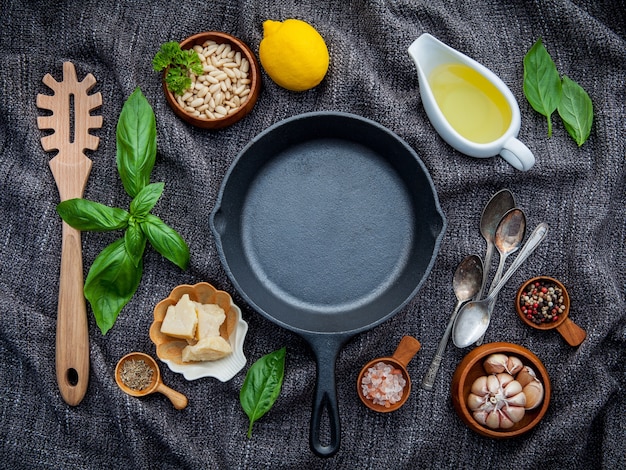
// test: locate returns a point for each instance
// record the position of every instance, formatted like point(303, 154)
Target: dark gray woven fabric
point(578, 191)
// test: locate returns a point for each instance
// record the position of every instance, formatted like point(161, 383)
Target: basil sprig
point(262, 385)
point(116, 272)
point(546, 93)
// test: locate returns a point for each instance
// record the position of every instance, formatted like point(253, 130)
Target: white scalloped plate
point(168, 349)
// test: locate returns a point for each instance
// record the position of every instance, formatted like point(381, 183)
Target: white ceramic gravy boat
point(428, 53)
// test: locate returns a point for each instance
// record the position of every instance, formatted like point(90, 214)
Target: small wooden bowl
point(405, 351)
point(571, 332)
point(254, 74)
point(156, 384)
point(471, 367)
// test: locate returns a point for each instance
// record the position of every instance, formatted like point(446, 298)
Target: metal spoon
point(466, 282)
point(493, 212)
point(473, 318)
point(508, 238)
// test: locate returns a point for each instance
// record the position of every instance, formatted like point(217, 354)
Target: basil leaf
point(262, 385)
point(111, 282)
point(136, 143)
point(542, 84)
point(576, 110)
point(166, 240)
point(146, 199)
point(135, 242)
point(84, 215)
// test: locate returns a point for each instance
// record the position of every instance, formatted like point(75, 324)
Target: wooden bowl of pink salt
point(384, 383)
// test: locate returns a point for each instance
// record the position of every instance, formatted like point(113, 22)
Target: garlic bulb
point(531, 386)
point(497, 400)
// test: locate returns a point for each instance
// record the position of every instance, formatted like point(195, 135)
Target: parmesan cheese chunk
point(207, 349)
point(181, 319)
point(210, 318)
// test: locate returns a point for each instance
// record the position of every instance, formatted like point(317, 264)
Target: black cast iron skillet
point(327, 224)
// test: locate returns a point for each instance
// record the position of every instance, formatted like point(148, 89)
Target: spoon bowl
point(156, 384)
point(509, 236)
point(403, 354)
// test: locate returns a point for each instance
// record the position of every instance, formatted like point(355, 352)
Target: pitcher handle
point(517, 154)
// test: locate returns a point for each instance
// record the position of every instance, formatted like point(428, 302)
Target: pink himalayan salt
point(383, 384)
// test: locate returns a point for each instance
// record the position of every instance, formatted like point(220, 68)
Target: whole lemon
point(293, 54)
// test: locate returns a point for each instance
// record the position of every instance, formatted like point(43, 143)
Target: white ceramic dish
point(169, 349)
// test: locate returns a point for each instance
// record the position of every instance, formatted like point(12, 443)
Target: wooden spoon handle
point(178, 399)
point(405, 351)
point(571, 332)
point(72, 335)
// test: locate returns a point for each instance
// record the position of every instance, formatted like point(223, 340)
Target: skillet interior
point(327, 223)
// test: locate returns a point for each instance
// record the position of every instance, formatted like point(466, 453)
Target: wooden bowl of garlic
point(228, 88)
point(198, 332)
point(501, 390)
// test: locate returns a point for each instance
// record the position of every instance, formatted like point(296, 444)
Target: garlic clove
point(534, 394)
point(514, 365)
point(504, 378)
point(479, 387)
point(481, 416)
point(512, 388)
point(495, 363)
point(493, 384)
point(526, 375)
point(493, 419)
point(514, 413)
point(518, 400)
point(475, 402)
point(506, 422)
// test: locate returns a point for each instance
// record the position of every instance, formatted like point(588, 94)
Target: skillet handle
point(326, 350)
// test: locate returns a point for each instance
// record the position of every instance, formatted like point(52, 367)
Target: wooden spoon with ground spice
point(138, 374)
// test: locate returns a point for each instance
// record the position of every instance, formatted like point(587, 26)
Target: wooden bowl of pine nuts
point(229, 87)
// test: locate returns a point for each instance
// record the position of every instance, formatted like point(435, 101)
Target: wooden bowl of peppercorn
point(544, 303)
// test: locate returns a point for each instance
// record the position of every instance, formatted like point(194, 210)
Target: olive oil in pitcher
point(472, 105)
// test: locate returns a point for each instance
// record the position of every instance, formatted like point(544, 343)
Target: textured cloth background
point(580, 192)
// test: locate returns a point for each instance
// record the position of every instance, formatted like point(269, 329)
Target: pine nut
point(202, 92)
